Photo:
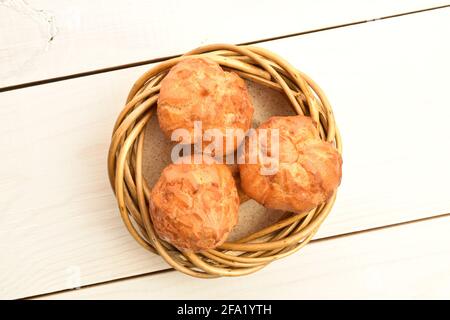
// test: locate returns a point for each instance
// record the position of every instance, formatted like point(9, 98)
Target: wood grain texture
point(58, 212)
point(392, 263)
point(43, 39)
point(387, 82)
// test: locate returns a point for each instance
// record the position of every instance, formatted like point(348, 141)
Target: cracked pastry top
point(307, 173)
point(194, 206)
point(197, 89)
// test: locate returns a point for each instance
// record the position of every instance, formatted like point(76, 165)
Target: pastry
point(194, 206)
point(197, 89)
point(307, 170)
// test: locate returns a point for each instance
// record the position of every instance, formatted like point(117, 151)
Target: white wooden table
point(65, 70)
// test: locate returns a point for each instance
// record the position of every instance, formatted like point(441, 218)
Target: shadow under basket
point(125, 159)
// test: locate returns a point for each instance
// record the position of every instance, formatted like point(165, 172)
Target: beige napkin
point(252, 216)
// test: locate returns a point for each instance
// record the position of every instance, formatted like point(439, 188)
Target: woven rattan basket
point(255, 251)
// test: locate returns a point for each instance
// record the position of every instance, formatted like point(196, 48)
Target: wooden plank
point(58, 212)
point(42, 39)
point(387, 81)
point(392, 263)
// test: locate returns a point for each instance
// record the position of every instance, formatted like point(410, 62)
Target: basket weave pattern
point(133, 194)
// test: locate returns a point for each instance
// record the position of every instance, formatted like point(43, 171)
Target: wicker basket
point(132, 192)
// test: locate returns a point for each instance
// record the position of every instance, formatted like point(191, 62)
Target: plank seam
point(98, 284)
point(155, 60)
point(342, 235)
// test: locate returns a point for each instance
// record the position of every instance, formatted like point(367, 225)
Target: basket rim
point(255, 251)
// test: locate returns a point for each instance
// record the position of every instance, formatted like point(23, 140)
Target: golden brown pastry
point(308, 171)
point(198, 89)
point(194, 206)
